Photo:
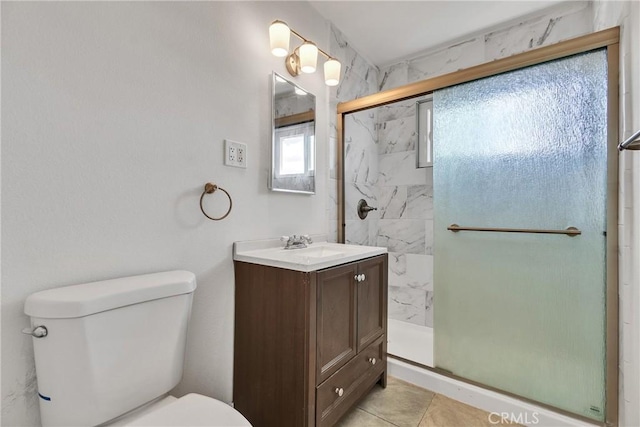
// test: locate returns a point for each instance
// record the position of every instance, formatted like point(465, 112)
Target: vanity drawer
point(353, 380)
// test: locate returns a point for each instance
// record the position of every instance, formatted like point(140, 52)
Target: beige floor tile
point(359, 418)
point(402, 404)
point(445, 412)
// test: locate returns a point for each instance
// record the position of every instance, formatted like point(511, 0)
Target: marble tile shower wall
point(359, 79)
point(405, 225)
point(380, 147)
point(567, 20)
point(361, 176)
point(405, 193)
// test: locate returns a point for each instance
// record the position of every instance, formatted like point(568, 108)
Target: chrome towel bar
point(570, 231)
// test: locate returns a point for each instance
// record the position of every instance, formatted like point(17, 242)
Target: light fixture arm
point(295, 33)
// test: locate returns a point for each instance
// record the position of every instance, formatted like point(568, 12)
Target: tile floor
point(405, 405)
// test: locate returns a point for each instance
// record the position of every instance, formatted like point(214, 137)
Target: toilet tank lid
point(89, 298)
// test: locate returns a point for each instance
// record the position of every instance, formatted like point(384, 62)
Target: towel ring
point(208, 189)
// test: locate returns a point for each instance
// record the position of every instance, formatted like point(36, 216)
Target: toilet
point(107, 353)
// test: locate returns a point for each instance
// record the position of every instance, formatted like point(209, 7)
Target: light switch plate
point(235, 154)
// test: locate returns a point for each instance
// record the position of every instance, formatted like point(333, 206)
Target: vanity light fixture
point(304, 58)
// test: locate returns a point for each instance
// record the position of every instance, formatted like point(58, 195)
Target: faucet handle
point(284, 238)
point(307, 238)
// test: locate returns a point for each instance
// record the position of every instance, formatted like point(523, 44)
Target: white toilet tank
point(111, 346)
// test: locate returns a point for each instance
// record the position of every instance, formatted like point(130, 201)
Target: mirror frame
point(294, 119)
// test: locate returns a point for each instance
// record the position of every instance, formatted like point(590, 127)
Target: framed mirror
point(293, 143)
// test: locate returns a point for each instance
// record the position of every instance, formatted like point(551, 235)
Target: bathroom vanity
point(310, 331)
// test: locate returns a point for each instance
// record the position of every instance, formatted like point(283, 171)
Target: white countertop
point(318, 255)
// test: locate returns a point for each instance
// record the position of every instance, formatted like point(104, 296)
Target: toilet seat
point(193, 410)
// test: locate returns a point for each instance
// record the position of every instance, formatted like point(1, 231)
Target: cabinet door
point(372, 306)
point(336, 319)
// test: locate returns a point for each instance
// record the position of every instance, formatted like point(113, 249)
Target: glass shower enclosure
point(505, 251)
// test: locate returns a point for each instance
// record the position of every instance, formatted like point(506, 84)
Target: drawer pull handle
point(372, 360)
point(339, 391)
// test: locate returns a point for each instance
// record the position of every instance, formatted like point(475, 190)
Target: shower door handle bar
point(570, 231)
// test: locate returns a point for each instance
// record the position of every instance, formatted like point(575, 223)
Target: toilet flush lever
point(37, 332)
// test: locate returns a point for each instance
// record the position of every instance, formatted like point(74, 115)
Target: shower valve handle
point(364, 209)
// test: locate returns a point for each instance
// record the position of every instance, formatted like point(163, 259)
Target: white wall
point(113, 119)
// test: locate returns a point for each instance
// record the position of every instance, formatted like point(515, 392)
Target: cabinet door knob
point(372, 360)
point(339, 391)
point(363, 276)
point(357, 277)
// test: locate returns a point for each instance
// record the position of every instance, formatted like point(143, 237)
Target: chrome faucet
point(296, 242)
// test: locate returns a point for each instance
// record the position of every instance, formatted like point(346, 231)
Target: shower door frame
point(608, 39)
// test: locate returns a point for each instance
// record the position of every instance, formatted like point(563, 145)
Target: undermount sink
point(316, 256)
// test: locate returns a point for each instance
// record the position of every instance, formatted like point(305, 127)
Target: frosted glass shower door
point(524, 312)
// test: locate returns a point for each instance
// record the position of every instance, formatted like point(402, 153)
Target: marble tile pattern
point(411, 288)
point(400, 169)
point(359, 78)
point(353, 192)
point(464, 54)
point(405, 200)
point(394, 75)
point(292, 104)
point(392, 201)
point(397, 110)
point(407, 304)
point(420, 199)
point(407, 236)
point(397, 135)
point(359, 232)
point(411, 271)
point(564, 21)
point(539, 31)
point(361, 151)
point(406, 405)
point(331, 210)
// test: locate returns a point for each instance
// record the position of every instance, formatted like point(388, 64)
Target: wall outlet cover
point(235, 154)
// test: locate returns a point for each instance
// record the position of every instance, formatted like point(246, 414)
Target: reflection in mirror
point(293, 145)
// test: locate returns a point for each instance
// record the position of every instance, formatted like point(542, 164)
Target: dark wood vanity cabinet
point(308, 345)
